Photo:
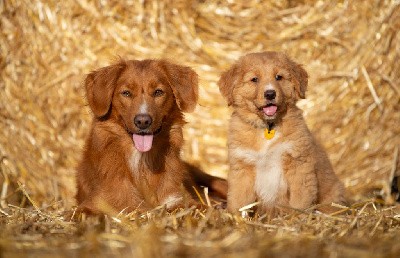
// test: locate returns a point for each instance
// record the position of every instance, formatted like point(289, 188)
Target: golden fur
point(291, 169)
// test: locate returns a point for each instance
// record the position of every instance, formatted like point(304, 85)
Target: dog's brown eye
point(254, 79)
point(126, 93)
point(158, 93)
point(278, 77)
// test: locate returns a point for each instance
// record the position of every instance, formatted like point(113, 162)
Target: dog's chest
point(267, 161)
point(143, 170)
point(269, 171)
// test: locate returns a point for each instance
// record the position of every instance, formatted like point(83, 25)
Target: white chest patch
point(134, 162)
point(268, 165)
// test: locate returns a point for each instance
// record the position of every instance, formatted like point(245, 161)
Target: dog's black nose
point(143, 121)
point(270, 94)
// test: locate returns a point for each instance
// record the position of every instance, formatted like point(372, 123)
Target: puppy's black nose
point(142, 121)
point(270, 94)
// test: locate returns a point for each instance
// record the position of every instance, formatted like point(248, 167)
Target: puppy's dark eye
point(278, 77)
point(158, 93)
point(254, 79)
point(126, 93)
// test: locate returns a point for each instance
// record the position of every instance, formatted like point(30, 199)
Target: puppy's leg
point(331, 191)
point(241, 191)
point(303, 185)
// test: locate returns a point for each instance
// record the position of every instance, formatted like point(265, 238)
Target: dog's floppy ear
point(300, 79)
point(100, 86)
point(184, 83)
point(227, 82)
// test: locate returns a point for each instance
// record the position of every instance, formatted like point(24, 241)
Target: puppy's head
point(261, 86)
point(142, 96)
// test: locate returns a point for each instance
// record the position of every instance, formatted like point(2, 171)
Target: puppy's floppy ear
point(227, 82)
point(184, 83)
point(100, 86)
point(300, 79)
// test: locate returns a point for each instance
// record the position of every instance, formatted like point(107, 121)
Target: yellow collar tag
point(269, 134)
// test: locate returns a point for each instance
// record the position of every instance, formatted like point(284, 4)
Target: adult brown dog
point(274, 158)
point(131, 160)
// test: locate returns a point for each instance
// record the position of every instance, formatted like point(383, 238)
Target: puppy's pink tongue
point(270, 111)
point(143, 143)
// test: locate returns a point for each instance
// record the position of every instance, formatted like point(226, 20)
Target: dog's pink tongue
point(143, 143)
point(270, 110)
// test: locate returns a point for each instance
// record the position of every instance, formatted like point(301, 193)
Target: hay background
point(47, 48)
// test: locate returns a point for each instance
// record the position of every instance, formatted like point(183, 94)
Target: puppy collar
point(269, 132)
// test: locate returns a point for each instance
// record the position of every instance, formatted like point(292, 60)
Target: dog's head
point(142, 96)
point(261, 86)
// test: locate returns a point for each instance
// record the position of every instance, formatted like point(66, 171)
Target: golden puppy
point(273, 157)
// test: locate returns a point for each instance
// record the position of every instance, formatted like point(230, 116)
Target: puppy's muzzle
point(270, 94)
point(143, 121)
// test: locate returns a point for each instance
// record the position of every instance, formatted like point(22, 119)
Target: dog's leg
point(174, 191)
point(332, 193)
point(303, 185)
point(241, 181)
point(109, 201)
point(173, 199)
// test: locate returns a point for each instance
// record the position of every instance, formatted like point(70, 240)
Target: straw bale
point(351, 50)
